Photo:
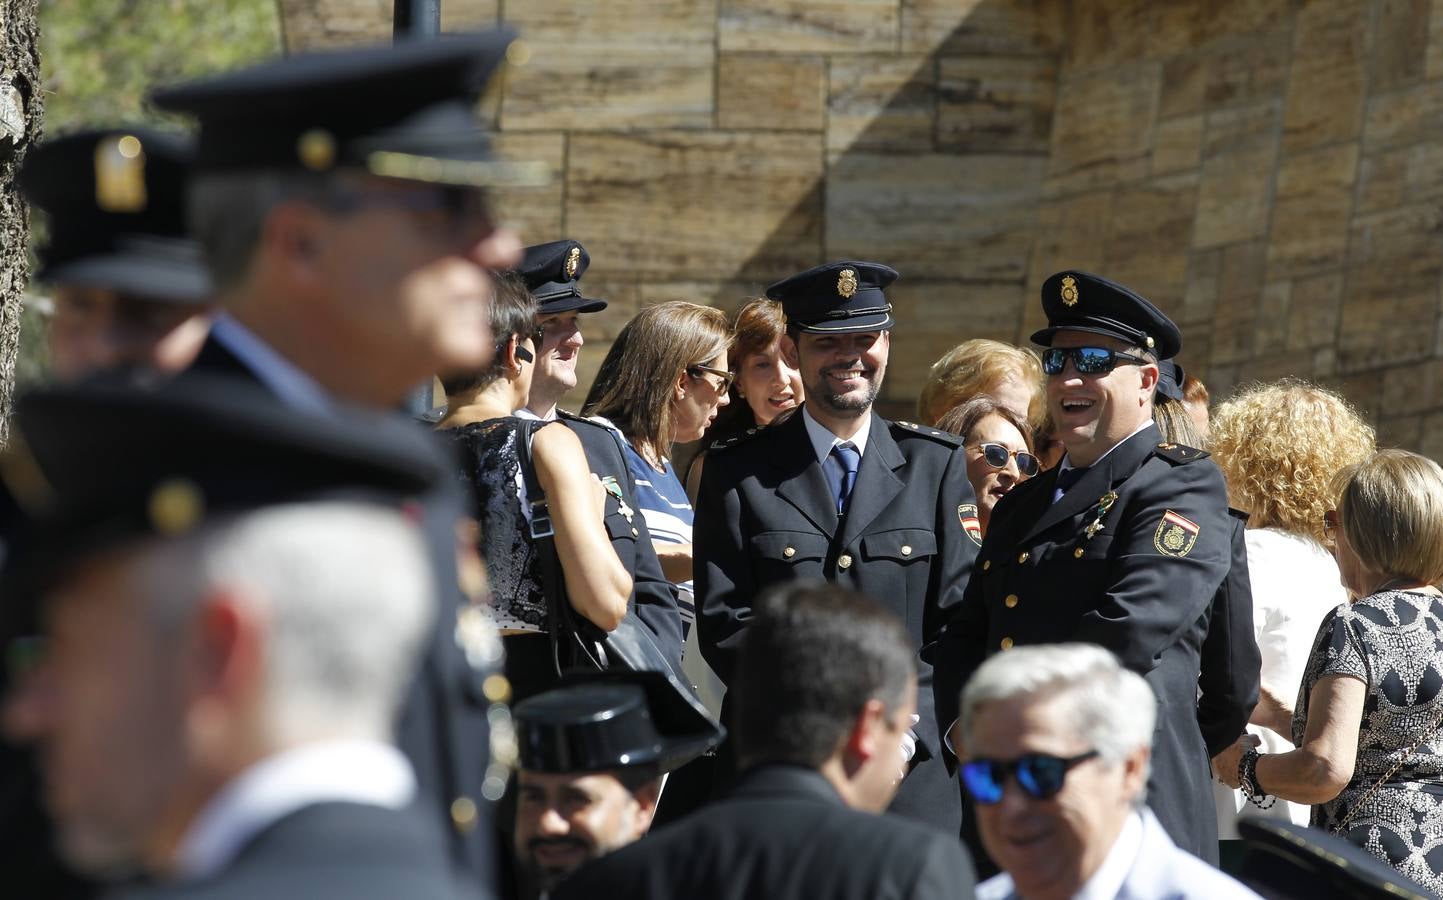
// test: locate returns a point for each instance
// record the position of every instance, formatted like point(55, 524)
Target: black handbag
point(576, 643)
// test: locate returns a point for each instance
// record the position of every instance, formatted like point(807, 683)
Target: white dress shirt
point(1066, 462)
point(354, 771)
point(823, 440)
point(1106, 883)
point(295, 388)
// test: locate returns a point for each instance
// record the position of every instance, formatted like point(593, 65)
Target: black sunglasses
point(997, 455)
point(1040, 775)
point(727, 378)
point(1087, 360)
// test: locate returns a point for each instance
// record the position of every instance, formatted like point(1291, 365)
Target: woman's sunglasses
point(1087, 360)
point(1040, 775)
point(726, 377)
point(997, 455)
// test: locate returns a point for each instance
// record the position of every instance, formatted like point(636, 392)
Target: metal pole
point(416, 18)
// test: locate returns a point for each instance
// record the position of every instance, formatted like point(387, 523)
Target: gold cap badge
point(176, 507)
point(847, 283)
point(1069, 291)
point(573, 262)
point(120, 175)
point(316, 150)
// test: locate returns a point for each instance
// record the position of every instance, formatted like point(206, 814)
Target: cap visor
point(136, 275)
point(1044, 337)
point(571, 304)
point(876, 322)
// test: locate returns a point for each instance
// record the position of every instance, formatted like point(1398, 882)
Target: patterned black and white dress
point(1392, 641)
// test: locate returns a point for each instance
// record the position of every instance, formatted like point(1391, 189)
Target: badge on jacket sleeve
point(1175, 535)
point(967, 515)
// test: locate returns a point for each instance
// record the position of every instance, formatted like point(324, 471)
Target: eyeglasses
point(1087, 360)
point(1330, 524)
point(1040, 775)
point(726, 377)
point(997, 455)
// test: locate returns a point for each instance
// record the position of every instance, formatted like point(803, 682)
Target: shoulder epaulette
point(936, 434)
point(734, 440)
point(1179, 454)
point(580, 419)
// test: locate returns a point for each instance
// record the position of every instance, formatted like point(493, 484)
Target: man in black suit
point(231, 613)
point(552, 273)
point(340, 199)
point(826, 684)
point(1125, 544)
point(837, 492)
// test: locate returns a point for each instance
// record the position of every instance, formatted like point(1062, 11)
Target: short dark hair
point(812, 657)
point(513, 314)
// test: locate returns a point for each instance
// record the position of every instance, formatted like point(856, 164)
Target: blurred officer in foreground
point(1058, 740)
point(127, 283)
point(837, 492)
point(341, 201)
point(231, 614)
point(825, 687)
point(1124, 544)
point(592, 755)
point(552, 273)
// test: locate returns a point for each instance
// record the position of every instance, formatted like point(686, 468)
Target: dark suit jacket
point(654, 598)
point(782, 833)
point(1231, 662)
point(443, 728)
point(1141, 586)
point(345, 851)
point(766, 515)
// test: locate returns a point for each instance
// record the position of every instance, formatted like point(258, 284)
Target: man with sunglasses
point(340, 199)
point(552, 273)
point(1124, 544)
point(1057, 745)
point(837, 492)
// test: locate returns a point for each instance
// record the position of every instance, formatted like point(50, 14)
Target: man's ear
point(1134, 772)
point(864, 740)
point(788, 349)
point(646, 798)
point(1150, 376)
point(293, 234)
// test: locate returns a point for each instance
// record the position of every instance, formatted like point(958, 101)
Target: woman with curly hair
point(1280, 446)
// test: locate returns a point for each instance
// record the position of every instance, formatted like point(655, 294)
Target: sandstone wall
point(1268, 171)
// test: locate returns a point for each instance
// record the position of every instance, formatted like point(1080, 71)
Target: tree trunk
point(22, 108)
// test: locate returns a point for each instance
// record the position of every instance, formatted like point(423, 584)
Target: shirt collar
point(524, 413)
point(356, 771)
point(1106, 883)
point(1067, 460)
point(295, 388)
point(823, 440)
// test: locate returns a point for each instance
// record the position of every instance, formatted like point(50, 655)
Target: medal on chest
point(1099, 513)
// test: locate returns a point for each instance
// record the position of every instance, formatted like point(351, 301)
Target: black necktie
point(1067, 478)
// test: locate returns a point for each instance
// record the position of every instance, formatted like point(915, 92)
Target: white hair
point(1113, 709)
point(347, 594)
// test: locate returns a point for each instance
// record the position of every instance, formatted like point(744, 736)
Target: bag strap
point(559, 624)
point(1422, 736)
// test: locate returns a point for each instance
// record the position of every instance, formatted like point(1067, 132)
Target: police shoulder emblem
point(120, 175)
point(967, 515)
point(1175, 535)
point(573, 262)
point(847, 283)
point(1069, 290)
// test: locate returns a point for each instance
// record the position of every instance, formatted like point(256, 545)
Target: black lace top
point(492, 450)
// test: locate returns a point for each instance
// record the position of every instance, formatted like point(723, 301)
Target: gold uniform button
point(986, 564)
point(844, 561)
point(1078, 553)
point(1010, 601)
point(1022, 557)
point(463, 814)
point(906, 549)
point(789, 552)
point(1006, 644)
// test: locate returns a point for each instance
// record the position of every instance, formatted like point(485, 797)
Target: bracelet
point(1248, 780)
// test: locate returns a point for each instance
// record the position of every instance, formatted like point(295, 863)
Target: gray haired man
point(1057, 741)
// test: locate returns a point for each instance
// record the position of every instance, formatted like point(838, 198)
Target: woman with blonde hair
point(1011, 375)
point(1280, 446)
point(1369, 748)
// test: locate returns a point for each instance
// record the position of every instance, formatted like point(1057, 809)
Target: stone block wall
point(1270, 172)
